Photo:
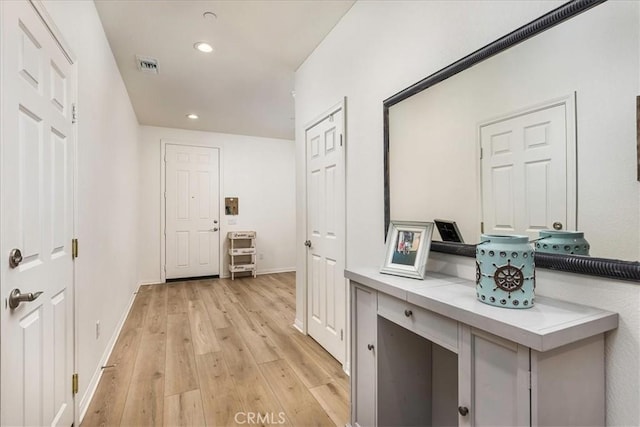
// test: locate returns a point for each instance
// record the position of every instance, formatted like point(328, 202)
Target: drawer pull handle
point(463, 410)
point(408, 313)
point(370, 347)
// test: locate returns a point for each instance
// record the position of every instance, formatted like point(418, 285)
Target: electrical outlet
point(97, 329)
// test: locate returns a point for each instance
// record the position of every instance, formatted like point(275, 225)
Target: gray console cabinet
point(426, 353)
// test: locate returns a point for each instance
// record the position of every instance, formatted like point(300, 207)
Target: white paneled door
point(326, 286)
point(528, 172)
point(192, 210)
point(37, 219)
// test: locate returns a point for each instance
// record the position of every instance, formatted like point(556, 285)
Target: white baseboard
point(95, 379)
point(149, 282)
point(276, 270)
point(261, 272)
point(299, 325)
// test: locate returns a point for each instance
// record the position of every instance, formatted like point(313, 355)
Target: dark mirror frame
point(603, 267)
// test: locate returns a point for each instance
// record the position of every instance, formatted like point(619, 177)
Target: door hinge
point(74, 384)
point(482, 227)
point(481, 153)
point(340, 140)
point(74, 248)
point(341, 334)
point(74, 114)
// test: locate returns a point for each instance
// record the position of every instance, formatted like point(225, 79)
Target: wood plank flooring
point(218, 353)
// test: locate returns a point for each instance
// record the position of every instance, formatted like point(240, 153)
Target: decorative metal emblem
point(509, 278)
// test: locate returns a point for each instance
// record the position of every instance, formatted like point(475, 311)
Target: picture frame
point(449, 231)
point(408, 244)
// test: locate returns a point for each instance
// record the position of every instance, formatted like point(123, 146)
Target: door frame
point(569, 101)
point(57, 36)
point(163, 240)
point(341, 105)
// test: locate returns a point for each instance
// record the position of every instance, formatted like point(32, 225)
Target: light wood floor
point(218, 353)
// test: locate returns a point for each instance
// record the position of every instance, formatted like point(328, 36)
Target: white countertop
point(547, 325)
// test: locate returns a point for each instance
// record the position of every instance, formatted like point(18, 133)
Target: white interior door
point(326, 286)
point(37, 218)
point(192, 210)
point(527, 181)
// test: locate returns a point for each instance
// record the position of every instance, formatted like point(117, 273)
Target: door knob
point(215, 221)
point(557, 225)
point(370, 347)
point(15, 258)
point(15, 297)
point(307, 243)
point(213, 229)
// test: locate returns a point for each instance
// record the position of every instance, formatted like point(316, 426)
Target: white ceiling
point(244, 87)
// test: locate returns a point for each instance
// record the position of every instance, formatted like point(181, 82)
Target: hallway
point(217, 353)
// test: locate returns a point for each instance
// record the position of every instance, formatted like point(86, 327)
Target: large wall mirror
point(534, 131)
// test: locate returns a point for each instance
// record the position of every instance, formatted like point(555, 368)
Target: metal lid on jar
point(562, 234)
point(504, 238)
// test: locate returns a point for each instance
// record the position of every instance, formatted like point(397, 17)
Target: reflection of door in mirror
point(528, 170)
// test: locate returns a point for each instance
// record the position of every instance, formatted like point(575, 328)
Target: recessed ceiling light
point(192, 116)
point(203, 47)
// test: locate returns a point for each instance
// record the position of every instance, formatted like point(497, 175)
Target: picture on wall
point(408, 245)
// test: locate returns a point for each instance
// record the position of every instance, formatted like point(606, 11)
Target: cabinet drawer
point(432, 326)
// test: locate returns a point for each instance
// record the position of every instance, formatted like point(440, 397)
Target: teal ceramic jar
point(562, 242)
point(505, 271)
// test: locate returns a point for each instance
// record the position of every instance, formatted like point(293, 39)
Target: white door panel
point(326, 292)
point(526, 179)
point(38, 151)
point(192, 211)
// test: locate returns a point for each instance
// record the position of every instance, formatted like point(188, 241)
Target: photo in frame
point(408, 244)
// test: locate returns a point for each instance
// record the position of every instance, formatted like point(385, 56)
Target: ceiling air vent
point(147, 64)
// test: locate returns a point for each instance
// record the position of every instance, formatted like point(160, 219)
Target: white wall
point(106, 269)
point(259, 171)
point(376, 50)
